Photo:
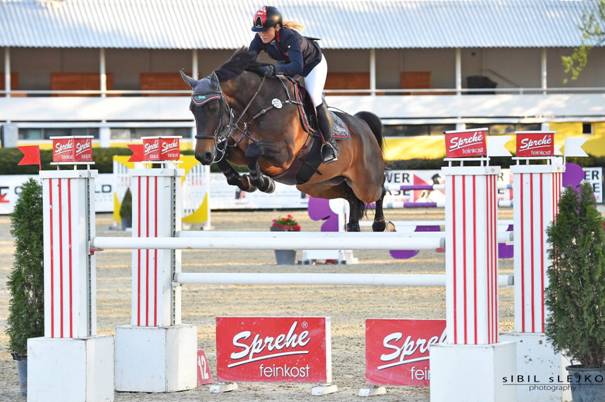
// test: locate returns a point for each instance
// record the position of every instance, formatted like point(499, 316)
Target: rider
point(296, 55)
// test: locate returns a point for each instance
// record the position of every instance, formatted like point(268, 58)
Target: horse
point(246, 119)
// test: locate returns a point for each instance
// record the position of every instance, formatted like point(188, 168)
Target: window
point(412, 130)
point(586, 128)
point(505, 128)
point(47, 133)
point(121, 133)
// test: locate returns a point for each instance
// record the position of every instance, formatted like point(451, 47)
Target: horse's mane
point(241, 60)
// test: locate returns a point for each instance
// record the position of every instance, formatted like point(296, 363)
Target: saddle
point(307, 112)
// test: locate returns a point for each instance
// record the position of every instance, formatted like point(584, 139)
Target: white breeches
point(315, 81)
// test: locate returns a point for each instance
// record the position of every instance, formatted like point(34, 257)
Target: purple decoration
point(573, 176)
point(319, 210)
point(506, 250)
point(420, 205)
point(405, 254)
point(412, 187)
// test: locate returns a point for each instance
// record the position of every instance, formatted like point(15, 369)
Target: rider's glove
point(268, 70)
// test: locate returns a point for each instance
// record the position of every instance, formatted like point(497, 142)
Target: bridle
point(223, 131)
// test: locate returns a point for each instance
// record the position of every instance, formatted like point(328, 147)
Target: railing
point(361, 91)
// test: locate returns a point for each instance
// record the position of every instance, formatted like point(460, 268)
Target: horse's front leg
point(263, 182)
point(244, 182)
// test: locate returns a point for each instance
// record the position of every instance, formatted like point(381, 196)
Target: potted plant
point(285, 224)
point(576, 292)
point(126, 210)
point(26, 280)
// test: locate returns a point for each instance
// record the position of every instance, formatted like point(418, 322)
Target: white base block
point(372, 390)
point(537, 359)
point(222, 387)
point(70, 370)
point(471, 373)
point(324, 389)
point(150, 359)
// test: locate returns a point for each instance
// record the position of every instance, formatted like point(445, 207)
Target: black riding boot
point(329, 152)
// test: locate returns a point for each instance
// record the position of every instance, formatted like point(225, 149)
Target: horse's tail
point(374, 123)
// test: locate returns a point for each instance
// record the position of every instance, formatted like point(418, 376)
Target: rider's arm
point(256, 45)
point(296, 64)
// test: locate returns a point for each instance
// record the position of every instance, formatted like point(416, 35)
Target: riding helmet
point(265, 18)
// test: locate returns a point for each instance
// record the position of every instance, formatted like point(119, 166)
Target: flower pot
point(587, 384)
point(285, 257)
point(22, 369)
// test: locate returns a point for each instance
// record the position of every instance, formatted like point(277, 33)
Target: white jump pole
point(155, 353)
point(222, 278)
point(71, 363)
point(235, 241)
point(537, 184)
point(470, 365)
point(295, 240)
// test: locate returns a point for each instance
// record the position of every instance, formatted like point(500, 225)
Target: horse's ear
point(191, 81)
point(214, 81)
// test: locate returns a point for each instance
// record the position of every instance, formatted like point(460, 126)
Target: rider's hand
point(268, 70)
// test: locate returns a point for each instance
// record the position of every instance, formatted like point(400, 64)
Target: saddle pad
point(339, 129)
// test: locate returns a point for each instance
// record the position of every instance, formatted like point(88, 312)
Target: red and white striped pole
point(537, 189)
point(69, 270)
point(155, 194)
point(471, 254)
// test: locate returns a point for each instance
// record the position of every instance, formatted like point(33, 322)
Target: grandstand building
point(109, 68)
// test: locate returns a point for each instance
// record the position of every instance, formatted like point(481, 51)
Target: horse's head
point(212, 115)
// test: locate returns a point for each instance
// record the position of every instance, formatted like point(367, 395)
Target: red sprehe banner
point(532, 144)
point(466, 143)
point(274, 349)
point(397, 351)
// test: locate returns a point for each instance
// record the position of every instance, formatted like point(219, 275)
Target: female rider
point(296, 55)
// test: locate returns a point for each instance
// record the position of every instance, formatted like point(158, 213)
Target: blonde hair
point(294, 25)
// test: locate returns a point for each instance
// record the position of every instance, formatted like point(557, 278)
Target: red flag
point(137, 152)
point(31, 155)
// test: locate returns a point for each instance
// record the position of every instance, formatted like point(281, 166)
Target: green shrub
point(26, 280)
point(576, 293)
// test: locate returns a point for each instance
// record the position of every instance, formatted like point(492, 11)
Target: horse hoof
point(246, 185)
point(270, 187)
point(353, 227)
point(266, 185)
point(390, 227)
point(379, 226)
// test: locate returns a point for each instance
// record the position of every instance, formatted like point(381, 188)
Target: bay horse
point(248, 120)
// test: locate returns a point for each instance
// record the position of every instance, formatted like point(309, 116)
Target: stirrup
point(328, 153)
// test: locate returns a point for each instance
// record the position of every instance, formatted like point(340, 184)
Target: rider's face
point(268, 35)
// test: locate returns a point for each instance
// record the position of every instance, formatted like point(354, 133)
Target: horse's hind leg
point(379, 224)
point(356, 208)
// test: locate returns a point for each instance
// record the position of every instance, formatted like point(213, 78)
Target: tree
point(593, 34)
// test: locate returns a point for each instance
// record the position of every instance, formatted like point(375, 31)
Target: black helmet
point(265, 18)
